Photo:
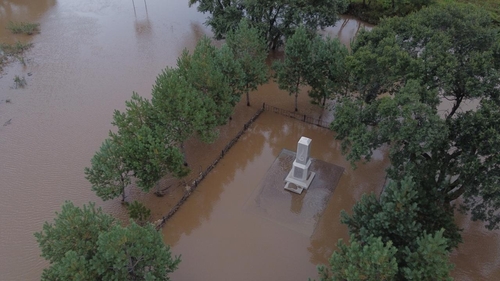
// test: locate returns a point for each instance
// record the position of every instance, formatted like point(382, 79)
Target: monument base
point(297, 186)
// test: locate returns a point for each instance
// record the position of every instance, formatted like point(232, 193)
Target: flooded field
point(87, 60)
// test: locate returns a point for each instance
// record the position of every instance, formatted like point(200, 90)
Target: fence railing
point(297, 116)
point(194, 184)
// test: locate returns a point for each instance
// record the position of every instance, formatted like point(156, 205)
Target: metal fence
point(297, 116)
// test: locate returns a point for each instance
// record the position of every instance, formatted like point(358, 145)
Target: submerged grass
point(9, 51)
point(14, 49)
point(23, 27)
point(19, 82)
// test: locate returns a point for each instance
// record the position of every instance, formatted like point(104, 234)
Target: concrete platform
point(298, 212)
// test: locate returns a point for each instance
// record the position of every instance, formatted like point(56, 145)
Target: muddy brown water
point(87, 60)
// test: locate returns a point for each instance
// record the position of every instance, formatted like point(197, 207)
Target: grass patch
point(23, 27)
point(13, 51)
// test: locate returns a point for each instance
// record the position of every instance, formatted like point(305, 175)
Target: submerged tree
point(440, 56)
point(148, 148)
point(274, 19)
point(108, 174)
point(290, 74)
point(395, 238)
point(401, 215)
point(87, 244)
point(181, 108)
point(371, 260)
point(374, 260)
point(206, 70)
point(327, 74)
point(249, 50)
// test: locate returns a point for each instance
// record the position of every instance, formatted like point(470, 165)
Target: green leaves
point(389, 239)
point(133, 253)
point(273, 19)
point(138, 212)
point(421, 81)
point(86, 244)
point(290, 73)
point(209, 71)
point(109, 174)
point(194, 98)
point(429, 261)
point(370, 261)
point(73, 229)
point(249, 51)
point(327, 74)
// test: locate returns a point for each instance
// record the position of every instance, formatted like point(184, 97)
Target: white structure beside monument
point(299, 177)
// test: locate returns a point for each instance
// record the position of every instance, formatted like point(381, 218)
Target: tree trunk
point(123, 188)
point(248, 98)
point(296, 95)
point(183, 151)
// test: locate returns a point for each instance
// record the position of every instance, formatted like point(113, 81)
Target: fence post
point(263, 105)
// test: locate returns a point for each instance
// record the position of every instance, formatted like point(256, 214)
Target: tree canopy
point(215, 74)
point(327, 75)
point(192, 99)
point(274, 19)
point(148, 148)
point(109, 173)
point(392, 239)
point(87, 244)
point(249, 50)
point(427, 86)
point(291, 72)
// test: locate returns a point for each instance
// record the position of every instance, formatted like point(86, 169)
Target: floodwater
point(218, 235)
point(87, 60)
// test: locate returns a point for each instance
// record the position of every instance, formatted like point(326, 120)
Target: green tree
point(87, 244)
point(372, 260)
point(444, 56)
point(249, 50)
point(274, 19)
point(149, 149)
point(395, 238)
point(429, 262)
point(401, 215)
point(108, 174)
point(133, 253)
point(138, 212)
point(290, 73)
point(206, 69)
point(327, 74)
point(180, 107)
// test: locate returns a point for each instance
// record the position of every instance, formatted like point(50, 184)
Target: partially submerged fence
point(297, 116)
point(194, 184)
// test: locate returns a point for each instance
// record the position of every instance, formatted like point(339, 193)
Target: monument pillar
point(299, 177)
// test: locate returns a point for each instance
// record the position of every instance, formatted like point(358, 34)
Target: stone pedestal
point(299, 177)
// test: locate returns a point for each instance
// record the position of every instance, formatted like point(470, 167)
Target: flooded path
point(87, 60)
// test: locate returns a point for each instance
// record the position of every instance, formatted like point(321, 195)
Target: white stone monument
point(299, 177)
